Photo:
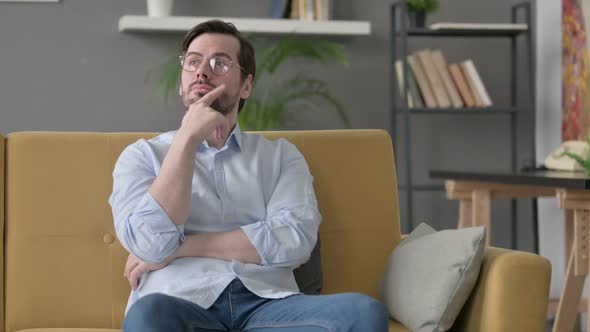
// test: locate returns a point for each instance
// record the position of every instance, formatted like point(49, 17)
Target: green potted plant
point(583, 161)
point(274, 95)
point(417, 10)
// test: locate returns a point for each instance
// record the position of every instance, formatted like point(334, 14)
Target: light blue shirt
point(263, 187)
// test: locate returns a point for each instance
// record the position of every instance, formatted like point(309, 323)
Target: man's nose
point(203, 69)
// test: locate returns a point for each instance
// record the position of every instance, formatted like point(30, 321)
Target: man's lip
point(200, 87)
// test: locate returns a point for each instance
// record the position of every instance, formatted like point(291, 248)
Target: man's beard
point(224, 104)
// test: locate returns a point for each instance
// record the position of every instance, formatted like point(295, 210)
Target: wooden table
point(475, 191)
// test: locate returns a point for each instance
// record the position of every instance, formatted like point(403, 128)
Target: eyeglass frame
point(209, 58)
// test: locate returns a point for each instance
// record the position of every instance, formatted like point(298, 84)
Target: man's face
point(194, 85)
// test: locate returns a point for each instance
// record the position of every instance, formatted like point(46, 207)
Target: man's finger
point(210, 97)
point(131, 264)
point(134, 277)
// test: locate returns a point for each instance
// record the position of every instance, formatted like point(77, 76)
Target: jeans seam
point(323, 324)
point(231, 310)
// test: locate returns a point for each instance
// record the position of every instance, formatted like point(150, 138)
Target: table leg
point(569, 241)
point(567, 309)
point(465, 217)
point(482, 211)
point(569, 232)
point(577, 270)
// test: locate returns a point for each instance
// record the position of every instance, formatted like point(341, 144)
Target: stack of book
point(312, 10)
point(433, 83)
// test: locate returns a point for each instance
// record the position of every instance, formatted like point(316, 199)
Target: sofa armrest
point(511, 294)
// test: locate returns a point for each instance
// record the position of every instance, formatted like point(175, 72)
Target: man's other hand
point(135, 268)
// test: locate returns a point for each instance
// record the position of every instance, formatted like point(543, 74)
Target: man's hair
point(246, 57)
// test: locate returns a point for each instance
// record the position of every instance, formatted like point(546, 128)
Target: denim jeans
point(238, 309)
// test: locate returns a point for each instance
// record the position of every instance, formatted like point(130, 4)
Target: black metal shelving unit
point(399, 34)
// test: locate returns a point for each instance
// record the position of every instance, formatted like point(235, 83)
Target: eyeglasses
point(219, 64)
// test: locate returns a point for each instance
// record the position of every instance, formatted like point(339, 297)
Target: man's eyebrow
point(212, 55)
point(220, 53)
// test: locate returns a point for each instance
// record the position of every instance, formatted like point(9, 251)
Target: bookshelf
point(520, 30)
point(177, 24)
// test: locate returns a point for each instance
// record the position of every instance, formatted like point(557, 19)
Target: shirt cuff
point(260, 235)
point(155, 218)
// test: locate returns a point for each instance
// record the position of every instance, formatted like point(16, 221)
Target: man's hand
point(135, 268)
point(201, 120)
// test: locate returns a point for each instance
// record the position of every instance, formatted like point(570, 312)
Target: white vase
point(159, 8)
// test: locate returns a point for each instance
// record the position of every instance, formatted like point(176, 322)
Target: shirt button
point(108, 238)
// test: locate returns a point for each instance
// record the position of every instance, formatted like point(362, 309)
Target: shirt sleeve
point(289, 233)
point(141, 224)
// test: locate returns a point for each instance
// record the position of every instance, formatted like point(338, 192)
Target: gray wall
point(66, 67)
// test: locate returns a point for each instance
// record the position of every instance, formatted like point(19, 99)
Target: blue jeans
point(238, 309)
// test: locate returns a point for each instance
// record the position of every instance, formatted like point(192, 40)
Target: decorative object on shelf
point(159, 8)
point(265, 109)
point(309, 10)
point(570, 156)
point(417, 10)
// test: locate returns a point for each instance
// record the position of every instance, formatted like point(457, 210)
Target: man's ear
point(246, 87)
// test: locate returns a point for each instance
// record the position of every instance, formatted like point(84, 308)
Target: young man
point(216, 220)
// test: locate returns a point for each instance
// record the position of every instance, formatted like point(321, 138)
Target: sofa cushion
point(430, 276)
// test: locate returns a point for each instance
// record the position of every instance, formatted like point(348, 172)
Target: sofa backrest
point(64, 265)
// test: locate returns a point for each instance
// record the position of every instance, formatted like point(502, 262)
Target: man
point(216, 220)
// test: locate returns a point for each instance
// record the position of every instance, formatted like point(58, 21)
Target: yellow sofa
point(63, 266)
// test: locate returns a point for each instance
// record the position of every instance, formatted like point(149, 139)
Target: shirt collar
point(235, 138)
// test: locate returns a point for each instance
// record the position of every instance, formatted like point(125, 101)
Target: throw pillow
point(430, 276)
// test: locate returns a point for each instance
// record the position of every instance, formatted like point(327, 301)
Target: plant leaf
point(166, 77)
point(303, 88)
point(294, 47)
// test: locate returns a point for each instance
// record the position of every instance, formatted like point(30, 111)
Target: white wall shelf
point(133, 23)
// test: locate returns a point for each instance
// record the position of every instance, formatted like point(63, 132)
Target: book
point(401, 82)
point(461, 84)
point(479, 26)
point(476, 99)
point(278, 8)
point(422, 81)
point(287, 10)
point(441, 66)
point(295, 9)
point(326, 10)
point(469, 69)
point(438, 90)
point(318, 9)
point(310, 10)
point(414, 91)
